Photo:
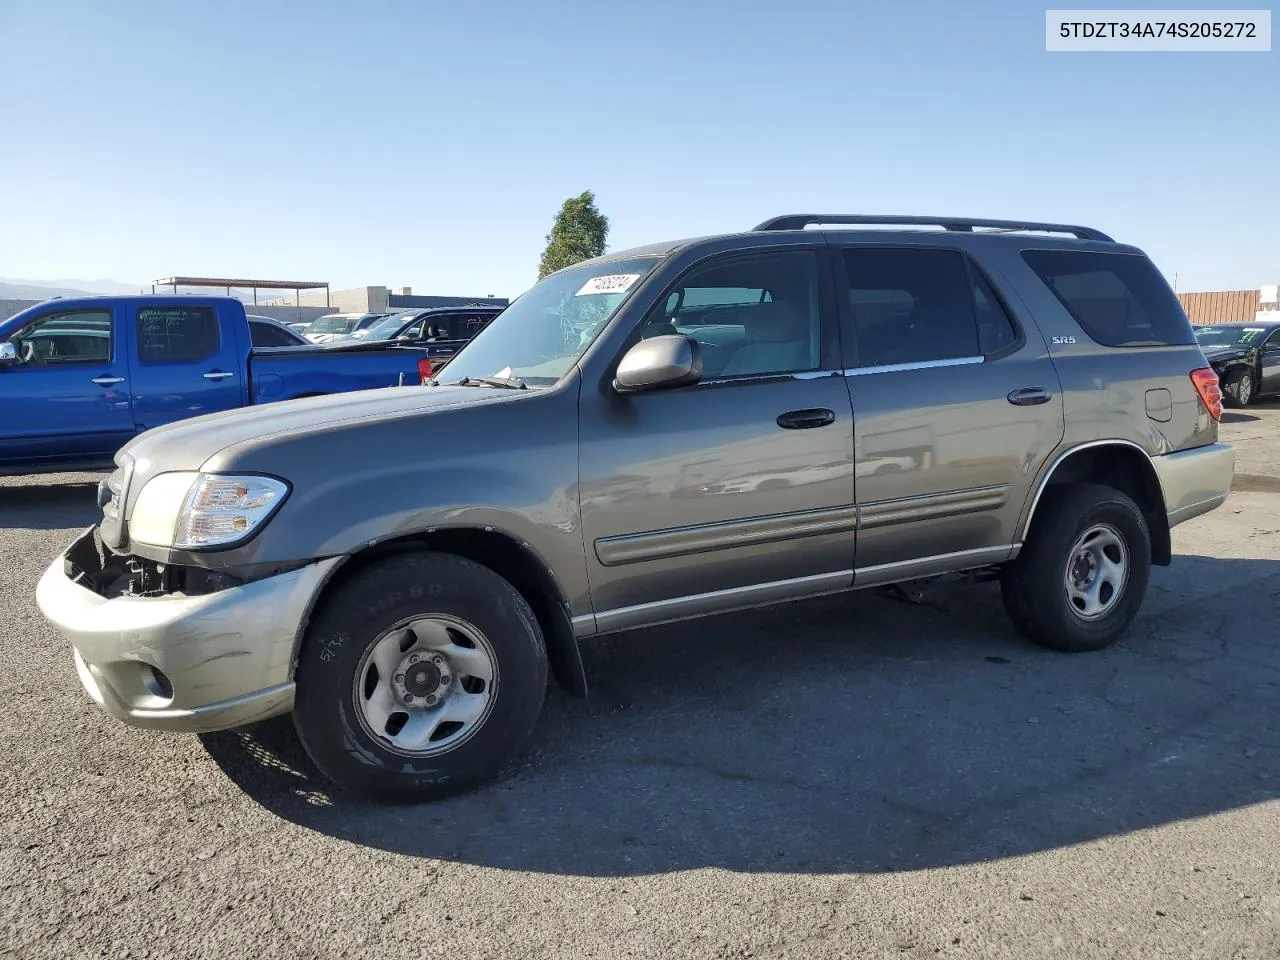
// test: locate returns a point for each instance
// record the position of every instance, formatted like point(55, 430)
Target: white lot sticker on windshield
point(614, 283)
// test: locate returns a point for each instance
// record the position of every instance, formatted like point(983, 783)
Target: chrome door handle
point(1029, 396)
point(218, 375)
point(806, 419)
point(108, 381)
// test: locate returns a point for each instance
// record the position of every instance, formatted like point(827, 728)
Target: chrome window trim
point(920, 365)
point(762, 377)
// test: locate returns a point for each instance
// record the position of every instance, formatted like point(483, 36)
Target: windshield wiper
point(511, 383)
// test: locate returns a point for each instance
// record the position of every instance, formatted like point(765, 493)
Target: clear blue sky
point(430, 143)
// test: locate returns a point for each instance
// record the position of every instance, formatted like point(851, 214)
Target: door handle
point(1029, 396)
point(108, 381)
point(218, 375)
point(806, 419)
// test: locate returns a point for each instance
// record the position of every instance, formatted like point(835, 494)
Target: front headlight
point(194, 510)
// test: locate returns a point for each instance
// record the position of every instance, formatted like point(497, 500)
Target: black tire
point(362, 610)
point(1239, 390)
point(1034, 587)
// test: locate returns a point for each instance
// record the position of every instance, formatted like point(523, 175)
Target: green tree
point(579, 233)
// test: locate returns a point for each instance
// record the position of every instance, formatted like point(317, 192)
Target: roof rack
point(798, 221)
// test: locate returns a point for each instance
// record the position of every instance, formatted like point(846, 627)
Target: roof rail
point(798, 221)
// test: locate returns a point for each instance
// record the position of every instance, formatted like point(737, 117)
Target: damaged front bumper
point(180, 662)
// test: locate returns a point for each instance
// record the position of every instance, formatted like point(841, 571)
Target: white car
point(336, 326)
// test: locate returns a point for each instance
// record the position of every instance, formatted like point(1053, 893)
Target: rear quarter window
point(1118, 299)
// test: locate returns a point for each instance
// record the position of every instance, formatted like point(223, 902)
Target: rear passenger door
point(956, 403)
point(187, 363)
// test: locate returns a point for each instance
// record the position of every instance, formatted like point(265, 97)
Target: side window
point(177, 334)
point(995, 330)
point(1119, 299)
point(82, 336)
point(752, 315)
point(442, 326)
point(911, 305)
point(1272, 344)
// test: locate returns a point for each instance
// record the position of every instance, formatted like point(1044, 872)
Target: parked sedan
point(1246, 357)
point(333, 326)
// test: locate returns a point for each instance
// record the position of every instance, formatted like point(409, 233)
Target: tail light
point(424, 370)
point(1206, 383)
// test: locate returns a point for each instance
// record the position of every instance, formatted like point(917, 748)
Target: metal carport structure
point(297, 286)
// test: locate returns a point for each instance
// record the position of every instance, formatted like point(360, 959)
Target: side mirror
point(8, 353)
point(659, 363)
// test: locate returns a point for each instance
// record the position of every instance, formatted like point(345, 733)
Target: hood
point(188, 444)
point(307, 440)
point(1216, 354)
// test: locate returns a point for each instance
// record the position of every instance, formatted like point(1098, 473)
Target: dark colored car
point(268, 332)
point(441, 331)
point(1246, 357)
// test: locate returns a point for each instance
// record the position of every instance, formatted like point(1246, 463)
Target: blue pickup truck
point(79, 378)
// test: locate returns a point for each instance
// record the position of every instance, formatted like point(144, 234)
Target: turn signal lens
point(1206, 383)
point(220, 511)
point(424, 370)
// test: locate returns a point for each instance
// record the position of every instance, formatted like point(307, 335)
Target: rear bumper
point(184, 663)
point(1195, 481)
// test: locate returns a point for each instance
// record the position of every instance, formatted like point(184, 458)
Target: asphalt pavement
point(853, 776)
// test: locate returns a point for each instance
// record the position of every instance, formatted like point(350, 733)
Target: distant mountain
point(12, 288)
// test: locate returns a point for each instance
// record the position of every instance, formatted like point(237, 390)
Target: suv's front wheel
point(419, 678)
point(1081, 576)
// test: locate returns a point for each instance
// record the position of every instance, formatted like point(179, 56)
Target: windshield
point(332, 325)
point(1224, 336)
point(542, 334)
point(388, 327)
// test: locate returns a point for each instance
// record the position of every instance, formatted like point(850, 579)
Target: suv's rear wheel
point(1083, 572)
point(421, 677)
point(1238, 391)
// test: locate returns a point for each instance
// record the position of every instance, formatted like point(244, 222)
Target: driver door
point(738, 489)
point(67, 398)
